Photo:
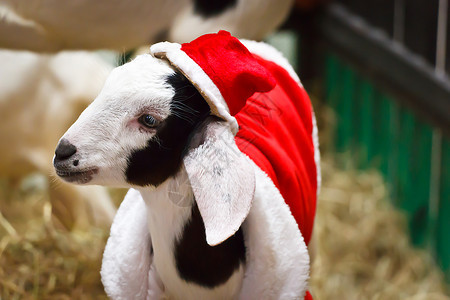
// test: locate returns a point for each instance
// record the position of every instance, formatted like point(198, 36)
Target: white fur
point(111, 120)
point(277, 260)
point(52, 25)
point(315, 136)
point(127, 259)
point(250, 19)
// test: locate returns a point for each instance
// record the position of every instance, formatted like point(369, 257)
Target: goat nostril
point(64, 150)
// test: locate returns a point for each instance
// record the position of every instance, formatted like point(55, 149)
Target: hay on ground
point(362, 246)
point(39, 259)
point(362, 249)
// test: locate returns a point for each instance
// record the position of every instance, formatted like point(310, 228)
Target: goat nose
point(64, 150)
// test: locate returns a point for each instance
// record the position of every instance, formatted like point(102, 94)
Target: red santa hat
point(221, 68)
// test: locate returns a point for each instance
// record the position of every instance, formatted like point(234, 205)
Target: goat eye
point(148, 121)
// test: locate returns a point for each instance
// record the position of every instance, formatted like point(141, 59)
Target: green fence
point(413, 156)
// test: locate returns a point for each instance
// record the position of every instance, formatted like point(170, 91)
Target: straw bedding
point(362, 249)
point(362, 246)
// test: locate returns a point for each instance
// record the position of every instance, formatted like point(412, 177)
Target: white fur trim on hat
point(195, 74)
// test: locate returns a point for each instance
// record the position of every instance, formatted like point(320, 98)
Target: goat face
point(136, 130)
point(137, 133)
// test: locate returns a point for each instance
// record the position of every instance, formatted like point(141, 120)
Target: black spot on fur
point(211, 8)
point(163, 155)
point(206, 265)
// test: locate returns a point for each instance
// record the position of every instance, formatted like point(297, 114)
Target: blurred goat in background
point(40, 96)
point(53, 25)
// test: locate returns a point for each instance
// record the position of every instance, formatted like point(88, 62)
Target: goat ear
point(223, 182)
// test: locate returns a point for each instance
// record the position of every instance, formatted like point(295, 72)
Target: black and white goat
point(151, 130)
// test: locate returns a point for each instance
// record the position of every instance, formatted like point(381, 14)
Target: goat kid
point(201, 220)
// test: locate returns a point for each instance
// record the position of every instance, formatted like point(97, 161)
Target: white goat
point(212, 224)
point(40, 96)
point(52, 25)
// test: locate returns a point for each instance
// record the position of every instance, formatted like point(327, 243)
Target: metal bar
point(399, 21)
point(441, 41)
point(435, 181)
point(409, 76)
point(436, 146)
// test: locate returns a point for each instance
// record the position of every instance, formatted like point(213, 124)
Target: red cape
point(276, 133)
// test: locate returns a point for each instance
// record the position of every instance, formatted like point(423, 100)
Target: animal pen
point(383, 68)
point(382, 99)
